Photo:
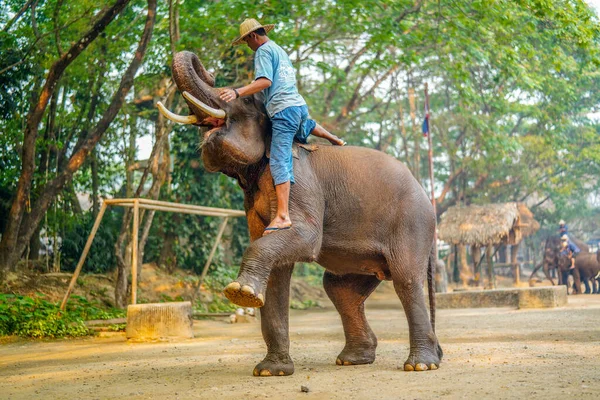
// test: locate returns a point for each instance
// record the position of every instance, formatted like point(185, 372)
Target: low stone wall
point(537, 297)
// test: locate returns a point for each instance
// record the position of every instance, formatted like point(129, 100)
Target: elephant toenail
point(433, 367)
point(338, 362)
point(421, 367)
point(265, 372)
point(408, 367)
point(247, 290)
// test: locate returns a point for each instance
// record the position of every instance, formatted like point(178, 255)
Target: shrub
point(38, 318)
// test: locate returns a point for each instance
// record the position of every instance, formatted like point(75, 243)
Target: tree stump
point(160, 321)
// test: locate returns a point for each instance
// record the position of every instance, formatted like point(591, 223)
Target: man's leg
point(285, 125)
point(321, 132)
point(282, 219)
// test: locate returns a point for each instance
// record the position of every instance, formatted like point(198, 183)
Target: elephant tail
point(430, 287)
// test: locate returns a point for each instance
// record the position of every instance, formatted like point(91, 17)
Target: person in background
point(570, 250)
point(563, 229)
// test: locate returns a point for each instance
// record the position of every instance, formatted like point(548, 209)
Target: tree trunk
point(95, 185)
point(465, 271)
point(13, 244)
point(489, 251)
point(476, 255)
point(122, 281)
point(34, 244)
point(514, 250)
point(81, 152)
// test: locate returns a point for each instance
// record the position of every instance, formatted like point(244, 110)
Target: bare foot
point(278, 224)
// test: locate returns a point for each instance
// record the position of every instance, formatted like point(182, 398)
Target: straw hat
point(248, 26)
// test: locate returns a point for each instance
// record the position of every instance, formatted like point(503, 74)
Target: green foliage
point(75, 231)
point(218, 305)
point(310, 272)
point(303, 305)
point(38, 318)
point(513, 88)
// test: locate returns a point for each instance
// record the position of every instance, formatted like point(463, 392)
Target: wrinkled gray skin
point(358, 212)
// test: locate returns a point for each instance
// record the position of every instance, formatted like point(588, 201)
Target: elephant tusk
point(182, 119)
point(213, 112)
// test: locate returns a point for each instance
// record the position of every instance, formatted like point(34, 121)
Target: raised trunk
point(190, 76)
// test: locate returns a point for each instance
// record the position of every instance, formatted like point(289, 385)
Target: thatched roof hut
point(487, 224)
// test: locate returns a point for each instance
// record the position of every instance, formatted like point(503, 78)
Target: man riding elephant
point(568, 252)
point(357, 212)
point(275, 76)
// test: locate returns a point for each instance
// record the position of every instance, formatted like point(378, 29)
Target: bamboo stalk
point(156, 205)
point(86, 249)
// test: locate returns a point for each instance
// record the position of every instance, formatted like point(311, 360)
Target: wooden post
point(86, 249)
point(476, 254)
point(490, 266)
point(210, 257)
point(134, 249)
point(514, 249)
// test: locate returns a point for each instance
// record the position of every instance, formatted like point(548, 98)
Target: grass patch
point(35, 317)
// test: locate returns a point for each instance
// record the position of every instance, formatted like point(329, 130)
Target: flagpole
point(430, 154)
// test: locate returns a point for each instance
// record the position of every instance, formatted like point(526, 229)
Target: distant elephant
point(587, 268)
point(551, 253)
point(356, 211)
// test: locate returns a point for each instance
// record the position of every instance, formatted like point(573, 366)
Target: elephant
point(551, 254)
point(587, 268)
point(357, 212)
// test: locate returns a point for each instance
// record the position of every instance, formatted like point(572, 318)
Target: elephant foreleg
point(348, 293)
point(300, 243)
point(275, 325)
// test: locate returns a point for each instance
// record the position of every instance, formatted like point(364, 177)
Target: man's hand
point(227, 94)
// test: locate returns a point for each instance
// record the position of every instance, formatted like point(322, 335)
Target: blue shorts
point(288, 124)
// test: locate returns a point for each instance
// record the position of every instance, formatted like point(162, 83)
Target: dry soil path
point(489, 353)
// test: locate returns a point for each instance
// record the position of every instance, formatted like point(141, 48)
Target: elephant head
point(564, 262)
point(237, 131)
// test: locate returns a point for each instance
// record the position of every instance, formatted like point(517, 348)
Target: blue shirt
point(271, 62)
point(563, 230)
point(571, 248)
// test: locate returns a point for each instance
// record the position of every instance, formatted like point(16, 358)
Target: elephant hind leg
point(348, 293)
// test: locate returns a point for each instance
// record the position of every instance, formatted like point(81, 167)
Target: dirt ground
point(489, 353)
